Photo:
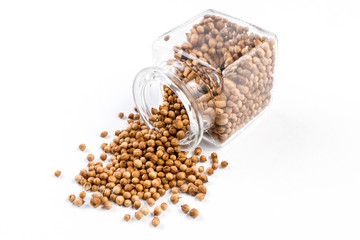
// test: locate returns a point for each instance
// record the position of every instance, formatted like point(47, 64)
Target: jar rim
point(153, 79)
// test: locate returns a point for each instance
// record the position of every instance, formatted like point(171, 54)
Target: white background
point(66, 70)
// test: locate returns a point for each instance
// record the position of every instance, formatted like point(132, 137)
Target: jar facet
point(220, 67)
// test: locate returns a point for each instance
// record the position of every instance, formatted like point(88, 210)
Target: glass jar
point(220, 67)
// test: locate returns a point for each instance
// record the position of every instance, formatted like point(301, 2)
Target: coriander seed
point(71, 197)
point(203, 158)
point(194, 213)
point(200, 196)
point(155, 222)
point(95, 202)
point(164, 206)
point(121, 115)
point(138, 215)
point(57, 173)
point(150, 202)
point(210, 171)
point(127, 217)
point(145, 210)
point(82, 147)
point(224, 164)
point(90, 157)
point(214, 155)
point(174, 198)
point(137, 204)
point(82, 194)
point(103, 156)
point(157, 211)
point(108, 205)
point(79, 202)
point(185, 208)
point(197, 151)
point(104, 134)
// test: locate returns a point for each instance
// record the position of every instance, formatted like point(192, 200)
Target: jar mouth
point(148, 93)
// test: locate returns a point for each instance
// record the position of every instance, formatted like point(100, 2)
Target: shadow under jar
point(220, 67)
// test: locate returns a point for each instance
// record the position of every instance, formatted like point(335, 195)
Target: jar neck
point(195, 94)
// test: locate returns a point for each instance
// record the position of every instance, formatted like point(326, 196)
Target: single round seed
point(82, 147)
point(224, 164)
point(71, 197)
point(157, 211)
point(210, 171)
point(194, 213)
point(95, 202)
point(57, 173)
point(82, 194)
point(185, 208)
point(174, 198)
point(200, 196)
point(103, 156)
point(215, 166)
point(138, 215)
point(174, 190)
point(127, 203)
point(150, 202)
point(155, 222)
point(90, 157)
point(121, 115)
point(79, 202)
point(197, 151)
point(203, 158)
point(108, 205)
point(104, 134)
point(127, 217)
point(137, 204)
point(145, 210)
point(214, 155)
point(164, 206)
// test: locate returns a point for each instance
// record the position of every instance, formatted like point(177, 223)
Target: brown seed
point(164, 206)
point(108, 205)
point(202, 158)
point(57, 173)
point(90, 157)
point(104, 134)
point(138, 215)
point(157, 211)
point(214, 155)
point(82, 194)
point(71, 197)
point(137, 204)
point(224, 164)
point(215, 166)
point(121, 115)
point(150, 202)
point(202, 189)
point(79, 202)
point(127, 217)
point(103, 156)
point(166, 38)
point(174, 190)
point(174, 198)
point(95, 202)
point(155, 222)
point(185, 208)
point(131, 116)
point(194, 213)
point(210, 171)
point(197, 151)
point(82, 147)
point(200, 196)
point(145, 210)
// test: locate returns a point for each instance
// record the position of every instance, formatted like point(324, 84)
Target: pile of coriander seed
point(141, 164)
